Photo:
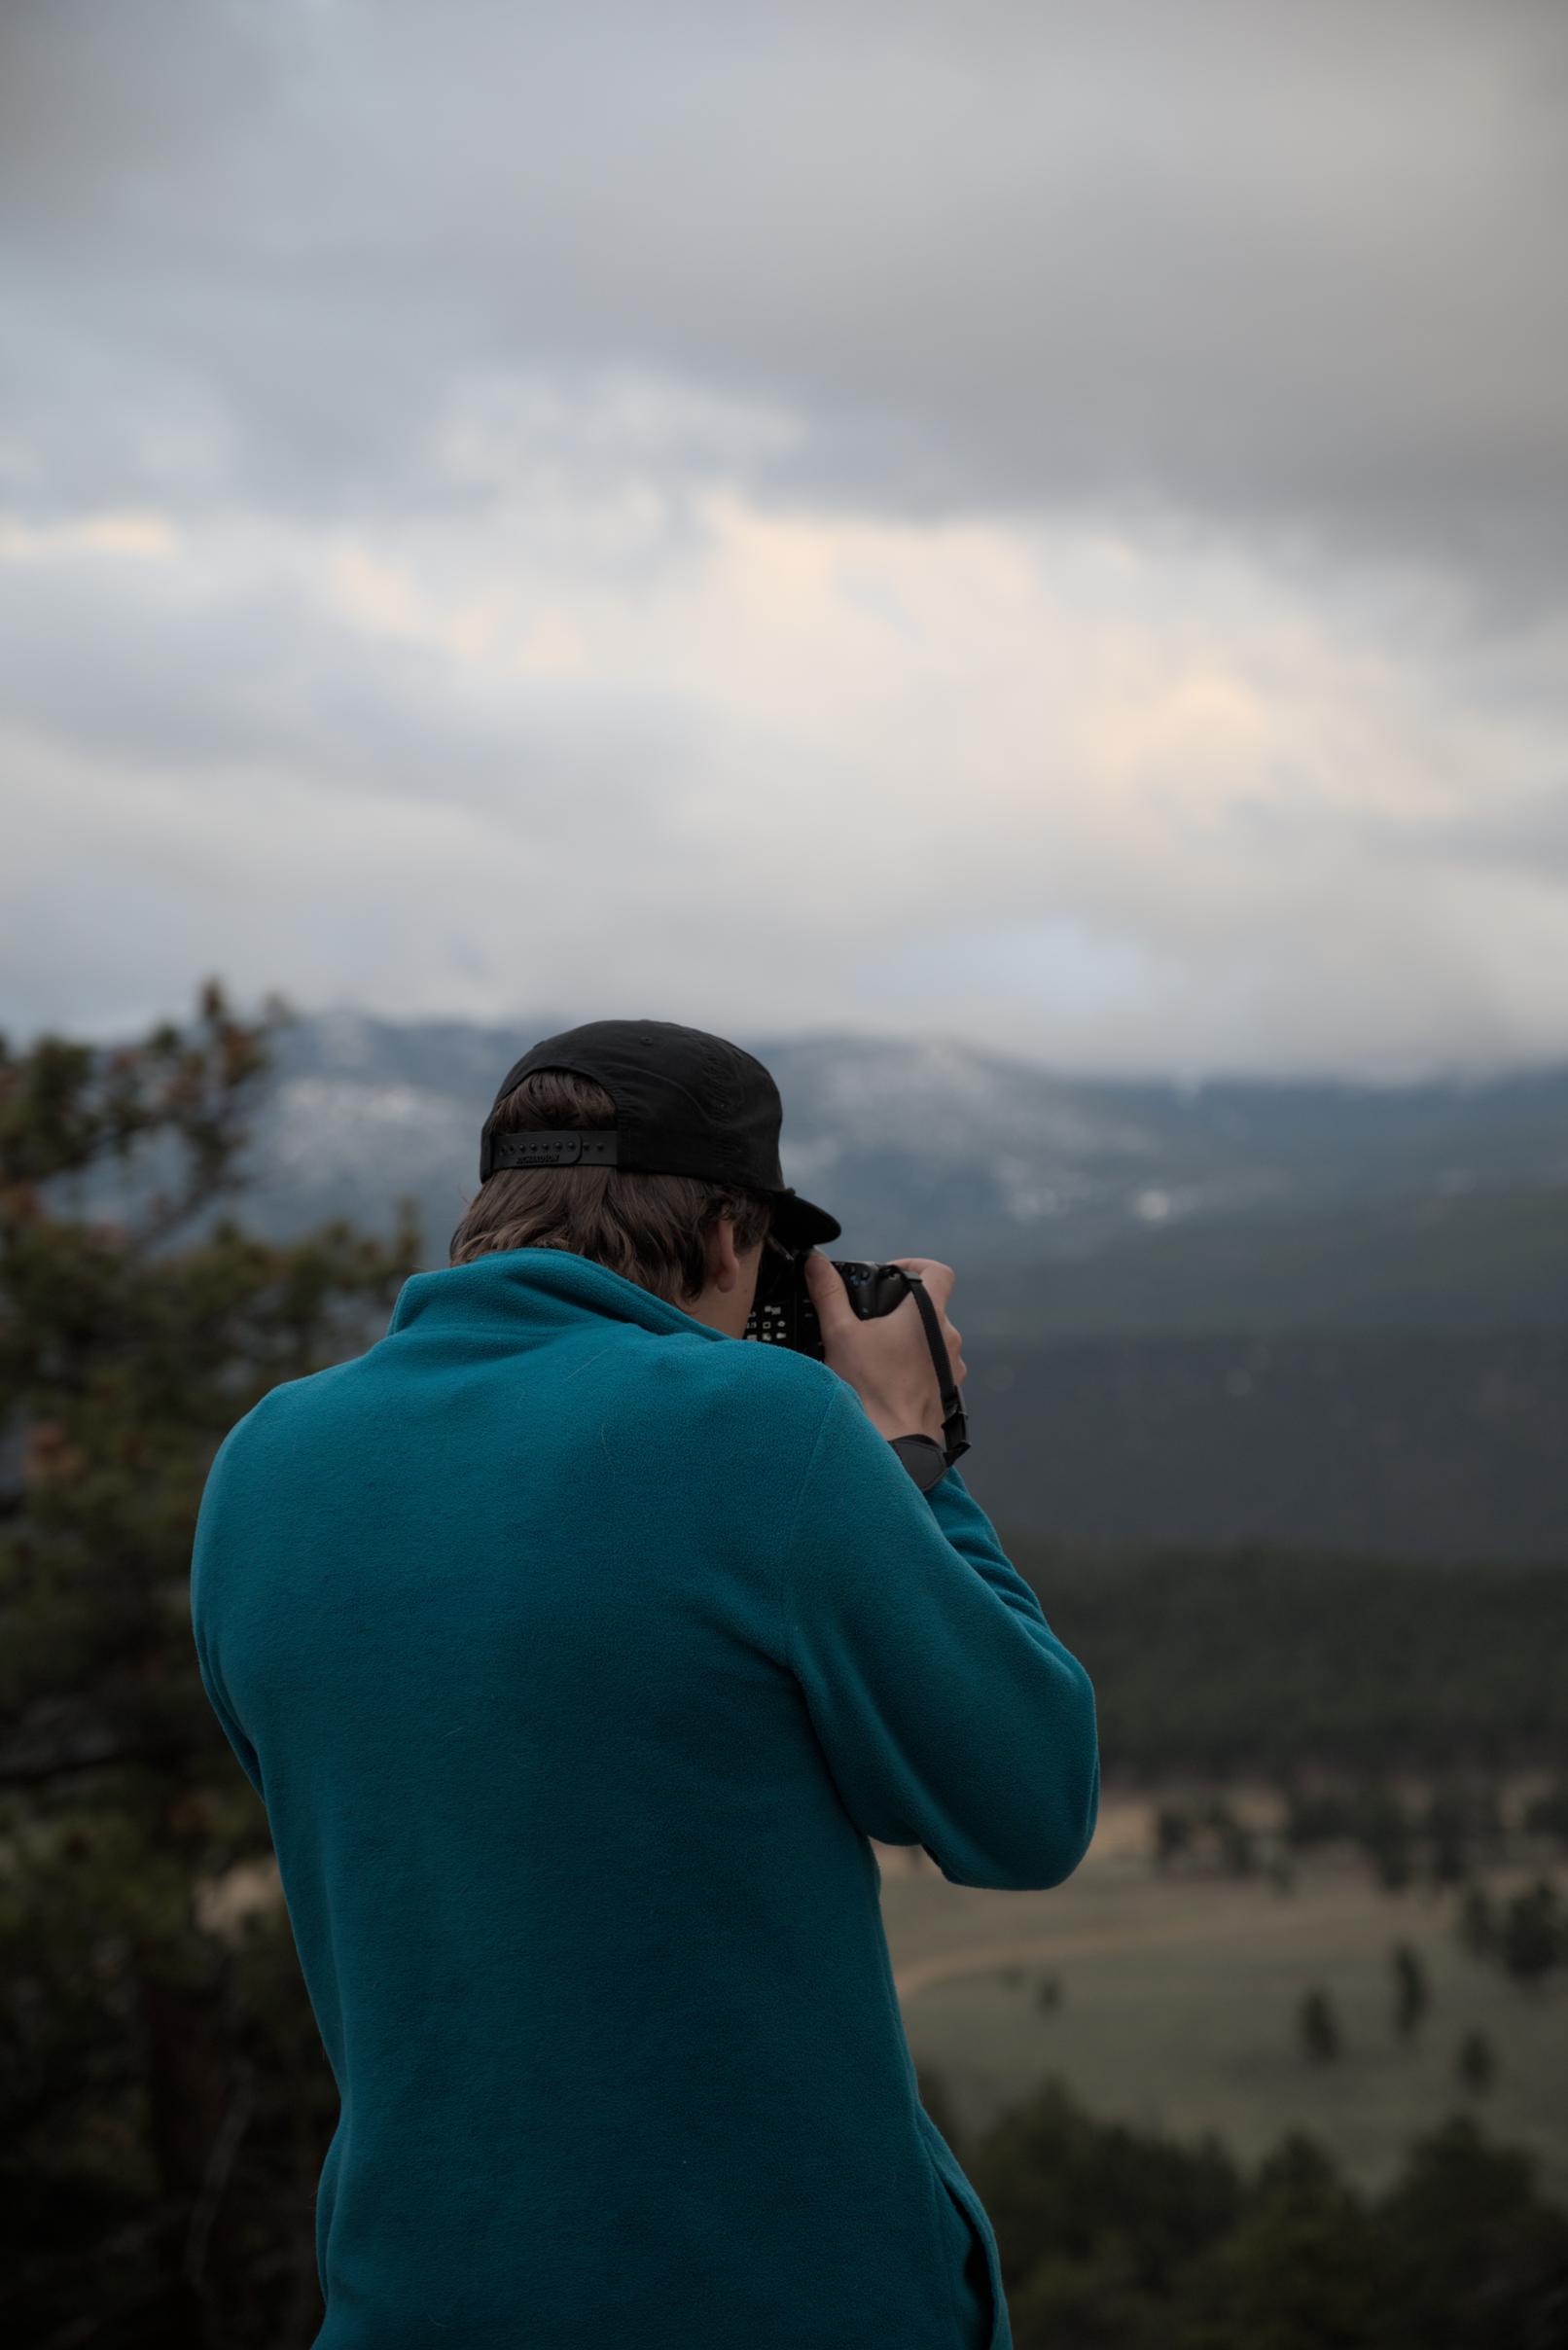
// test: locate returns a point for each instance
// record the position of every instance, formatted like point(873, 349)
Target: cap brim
point(800, 1223)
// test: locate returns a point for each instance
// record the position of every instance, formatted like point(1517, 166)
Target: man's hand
point(887, 1359)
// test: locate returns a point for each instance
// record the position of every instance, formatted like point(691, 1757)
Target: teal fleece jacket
point(576, 1650)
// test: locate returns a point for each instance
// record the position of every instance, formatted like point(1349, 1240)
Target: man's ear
point(719, 1251)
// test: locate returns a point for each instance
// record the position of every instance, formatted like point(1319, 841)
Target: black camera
point(782, 1314)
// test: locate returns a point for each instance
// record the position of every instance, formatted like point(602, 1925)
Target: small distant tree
point(1321, 1818)
point(1547, 1815)
point(1487, 1823)
point(1236, 1845)
point(1531, 1939)
point(1477, 2063)
point(1477, 1922)
point(1447, 1823)
point(1394, 1863)
point(1318, 2027)
point(1383, 1832)
point(1412, 1995)
point(1173, 1835)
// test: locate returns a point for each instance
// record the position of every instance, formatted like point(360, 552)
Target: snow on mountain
point(919, 1146)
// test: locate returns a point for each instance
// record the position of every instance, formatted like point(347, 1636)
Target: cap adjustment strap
point(548, 1147)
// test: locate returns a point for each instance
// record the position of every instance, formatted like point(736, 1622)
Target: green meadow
point(1176, 2002)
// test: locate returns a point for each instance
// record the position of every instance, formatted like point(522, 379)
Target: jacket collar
point(533, 1293)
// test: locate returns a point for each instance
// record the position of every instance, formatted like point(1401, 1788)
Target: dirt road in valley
point(1210, 1924)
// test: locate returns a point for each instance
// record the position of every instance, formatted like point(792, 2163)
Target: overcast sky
point(1044, 524)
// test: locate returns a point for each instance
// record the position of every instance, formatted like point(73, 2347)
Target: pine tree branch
point(41, 1772)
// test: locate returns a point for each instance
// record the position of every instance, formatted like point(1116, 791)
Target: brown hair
point(647, 1228)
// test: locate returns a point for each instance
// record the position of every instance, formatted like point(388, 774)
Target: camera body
point(783, 1314)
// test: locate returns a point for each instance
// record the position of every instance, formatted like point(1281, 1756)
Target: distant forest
point(1423, 1445)
point(1263, 1660)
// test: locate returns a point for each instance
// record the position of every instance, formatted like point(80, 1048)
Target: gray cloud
point(1298, 273)
point(143, 675)
point(521, 389)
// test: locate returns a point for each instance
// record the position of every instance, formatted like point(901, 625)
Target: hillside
point(1331, 1314)
point(1259, 1659)
point(930, 1147)
point(1433, 1445)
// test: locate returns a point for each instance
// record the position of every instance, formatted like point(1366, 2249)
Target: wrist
point(917, 1420)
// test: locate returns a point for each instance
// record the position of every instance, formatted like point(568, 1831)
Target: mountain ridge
point(926, 1147)
point(1332, 1314)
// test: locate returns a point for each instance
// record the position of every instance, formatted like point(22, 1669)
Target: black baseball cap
point(686, 1103)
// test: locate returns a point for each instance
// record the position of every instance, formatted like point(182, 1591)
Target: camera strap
point(954, 1429)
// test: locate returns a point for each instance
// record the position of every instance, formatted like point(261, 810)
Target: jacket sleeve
point(244, 1753)
point(949, 1713)
point(205, 1550)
